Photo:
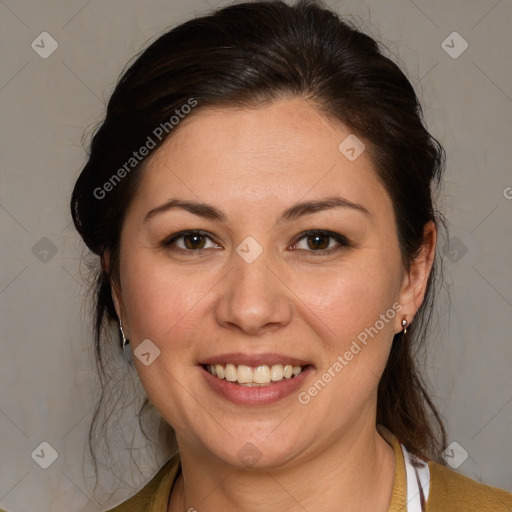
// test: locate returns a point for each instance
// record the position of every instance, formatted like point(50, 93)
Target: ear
point(414, 282)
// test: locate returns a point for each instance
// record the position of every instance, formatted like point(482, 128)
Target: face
point(254, 241)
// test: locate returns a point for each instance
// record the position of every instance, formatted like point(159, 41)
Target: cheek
point(164, 305)
point(159, 300)
point(352, 298)
point(357, 308)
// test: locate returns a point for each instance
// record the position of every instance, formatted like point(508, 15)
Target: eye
point(317, 241)
point(189, 241)
point(320, 241)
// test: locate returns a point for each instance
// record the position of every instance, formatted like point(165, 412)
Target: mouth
point(254, 376)
point(257, 379)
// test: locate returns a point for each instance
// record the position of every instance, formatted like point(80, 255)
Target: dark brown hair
point(248, 55)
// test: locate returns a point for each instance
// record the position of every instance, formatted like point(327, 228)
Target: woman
point(260, 196)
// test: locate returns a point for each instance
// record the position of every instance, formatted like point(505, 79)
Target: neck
point(356, 471)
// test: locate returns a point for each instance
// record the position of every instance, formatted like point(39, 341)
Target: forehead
point(278, 154)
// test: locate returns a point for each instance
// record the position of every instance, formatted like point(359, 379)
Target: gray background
point(46, 372)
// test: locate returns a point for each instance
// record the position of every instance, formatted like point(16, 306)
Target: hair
point(248, 55)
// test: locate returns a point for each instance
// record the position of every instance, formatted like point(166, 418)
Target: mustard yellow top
point(449, 491)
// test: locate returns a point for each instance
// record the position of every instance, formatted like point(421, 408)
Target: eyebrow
point(208, 211)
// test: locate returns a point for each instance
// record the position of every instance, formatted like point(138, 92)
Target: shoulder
point(451, 491)
point(155, 494)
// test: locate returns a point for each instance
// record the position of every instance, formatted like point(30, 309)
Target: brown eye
point(321, 242)
point(318, 241)
point(194, 241)
point(189, 241)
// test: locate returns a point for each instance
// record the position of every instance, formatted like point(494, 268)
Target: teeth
point(230, 373)
point(276, 372)
point(244, 375)
point(262, 375)
point(219, 370)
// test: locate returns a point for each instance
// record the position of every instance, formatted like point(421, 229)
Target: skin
point(253, 164)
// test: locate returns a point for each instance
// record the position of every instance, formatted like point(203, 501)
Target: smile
point(261, 375)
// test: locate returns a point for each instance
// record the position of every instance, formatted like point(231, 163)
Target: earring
point(127, 352)
point(125, 341)
point(404, 325)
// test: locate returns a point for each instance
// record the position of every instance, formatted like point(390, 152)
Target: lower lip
point(257, 395)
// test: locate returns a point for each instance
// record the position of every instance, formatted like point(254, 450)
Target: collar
point(412, 477)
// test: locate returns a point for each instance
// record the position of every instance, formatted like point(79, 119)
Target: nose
point(252, 298)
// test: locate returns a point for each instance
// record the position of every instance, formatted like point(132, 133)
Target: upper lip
point(254, 360)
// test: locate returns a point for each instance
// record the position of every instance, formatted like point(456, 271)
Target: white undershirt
point(419, 474)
